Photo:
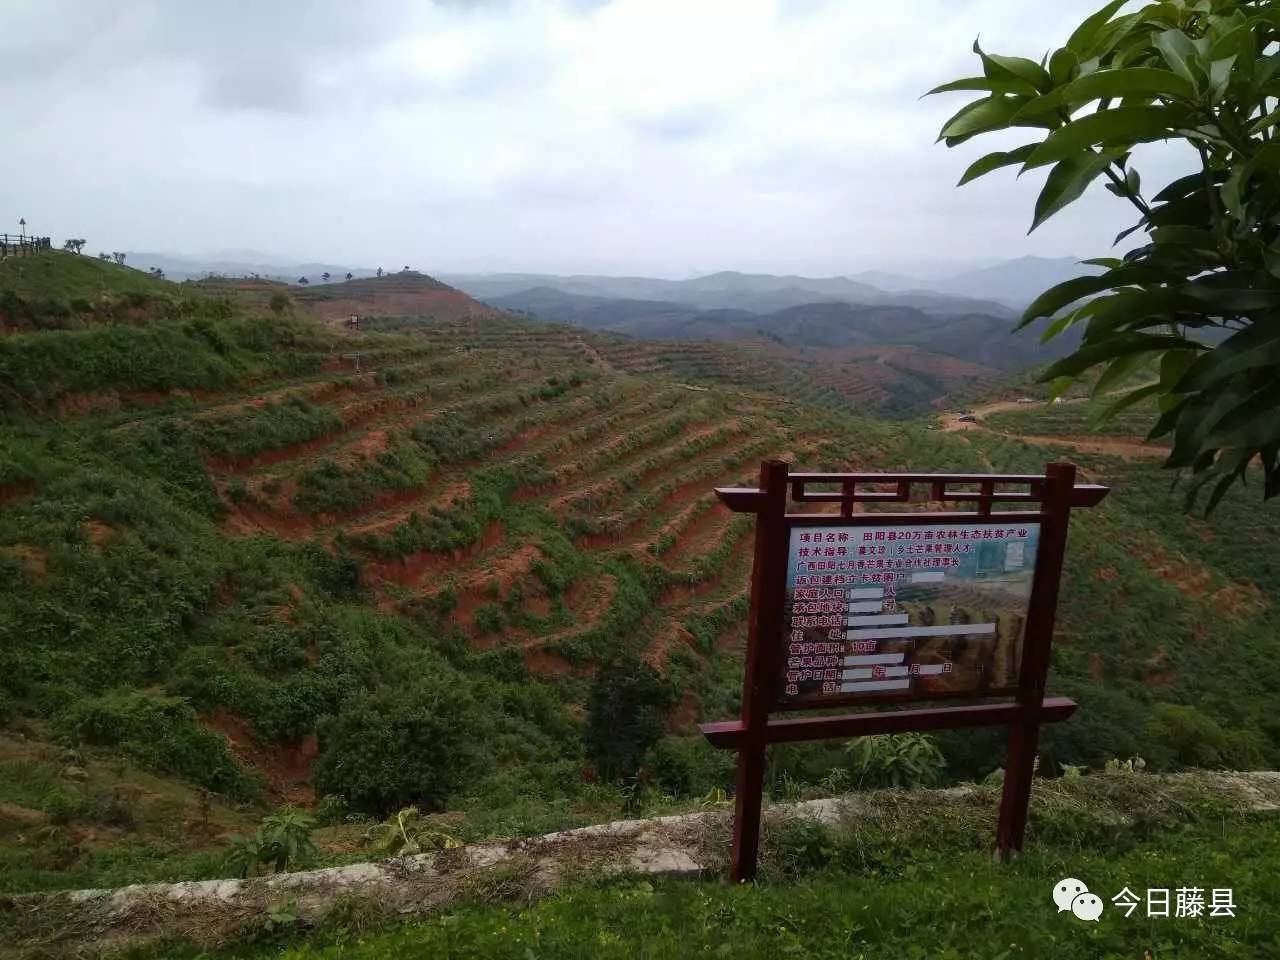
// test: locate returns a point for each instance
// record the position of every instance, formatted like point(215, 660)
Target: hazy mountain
point(887, 280)
point(1016, 282)
point(728, 290)
point(979, 337)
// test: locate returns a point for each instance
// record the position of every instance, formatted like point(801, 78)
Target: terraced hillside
point(235, 568)
point(888, 381)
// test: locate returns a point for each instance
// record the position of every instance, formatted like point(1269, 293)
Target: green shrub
point(451, 439)
point(416, 745)
point(689, 766)
point(281, 842)
point(333, 488)
point(900, 760)
point(1194, 739)
point(625, 711)
point(160, 732)
point(489, 619)
point(253, 429)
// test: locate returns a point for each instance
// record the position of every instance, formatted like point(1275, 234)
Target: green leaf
point(998, 67)
point(1128, 230)
point(994, 161)
point(1105, 84)
point(1173, 365)
point(1219, 77)
point(1121, 345)
point(1234, 470)
point(990, 113)
point(1111, 35)
point(1257, 345)
point(1130, 308)
point(1266, 123)
point(1067, 181)
point(1179, 53)
point(1062, 66)
point(1231, 190)
point(1194, 423)
point(984, 83)
point(1253, 423)
point(1126, 400)
point(1061, 323)
point(1235, 291)
point(1178, 235)
point(1118, 371)
point(1271, 257)
point(1267, 158)
point(1069, 291)
point(1082, 38)
point(1119, 125)
point(1131, 81)
point(1184, 186)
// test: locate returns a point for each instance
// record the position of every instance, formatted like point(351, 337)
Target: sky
point(657, 137)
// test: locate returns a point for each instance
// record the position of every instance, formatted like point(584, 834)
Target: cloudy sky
point(664, 137)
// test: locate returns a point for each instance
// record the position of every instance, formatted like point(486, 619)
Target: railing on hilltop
point(23, 246)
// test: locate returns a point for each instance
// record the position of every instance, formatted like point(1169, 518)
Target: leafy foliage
point(162, 733)
point(281, 842)
point(625, 711)
point(1196, 307)
point(406, 833)
point(897, 760)
point(416, 745)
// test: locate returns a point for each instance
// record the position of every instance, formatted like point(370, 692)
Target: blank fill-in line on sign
point(947, 630)
point(866, 673)
point(922, 670)
point(866, 593)
point(874, 659)
point(870, 606)
point(874, 619)
point(928, 577)
point(866, 686)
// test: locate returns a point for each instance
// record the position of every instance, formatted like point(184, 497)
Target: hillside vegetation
point(236, 571)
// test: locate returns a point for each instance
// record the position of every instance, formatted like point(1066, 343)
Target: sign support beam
point(1024, 732)
point(768, 590)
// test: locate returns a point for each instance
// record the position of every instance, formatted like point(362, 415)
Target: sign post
point(873, 607)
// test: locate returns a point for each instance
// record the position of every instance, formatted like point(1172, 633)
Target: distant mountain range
point(754, 292)
point(983, 338)
point(998, 289)
point(968, 315)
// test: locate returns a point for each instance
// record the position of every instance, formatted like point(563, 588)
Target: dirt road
point(1129, 448)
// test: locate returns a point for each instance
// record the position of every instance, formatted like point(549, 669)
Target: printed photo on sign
point(900, 611)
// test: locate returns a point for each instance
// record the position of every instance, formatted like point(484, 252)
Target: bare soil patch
point(286, 768)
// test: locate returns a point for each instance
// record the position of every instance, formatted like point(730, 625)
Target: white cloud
point(634, 135)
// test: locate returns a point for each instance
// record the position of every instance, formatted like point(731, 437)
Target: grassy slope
point(1077, 418)
point(57, 275)
point(248, 542)
point(961, 906)
point(909, 881)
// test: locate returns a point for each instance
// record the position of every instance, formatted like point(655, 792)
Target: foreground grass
point(946, 904)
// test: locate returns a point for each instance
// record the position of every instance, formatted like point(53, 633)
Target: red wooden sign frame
point(1044, 499)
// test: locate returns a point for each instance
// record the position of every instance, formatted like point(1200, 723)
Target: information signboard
point(905, 612)
point(952, 596)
